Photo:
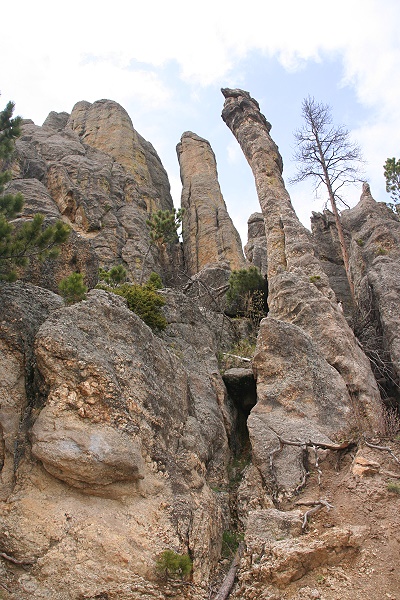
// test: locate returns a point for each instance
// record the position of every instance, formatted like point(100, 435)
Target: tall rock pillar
point(209, 235)
point(299, 290)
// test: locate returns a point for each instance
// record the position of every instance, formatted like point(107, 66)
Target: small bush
point(394, 487)
point(72, 288)
point(315, 278)
point(171, 564)
point(247, 294)
point(115, 276)
point(155, 281)
point(143, 300)
point(230, 543)
point(360, 242)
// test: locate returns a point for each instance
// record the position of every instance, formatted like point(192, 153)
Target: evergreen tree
point(392, 176)
point(18, 243)
point(72, 288)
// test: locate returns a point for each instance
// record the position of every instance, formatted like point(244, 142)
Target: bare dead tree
point(326, 154)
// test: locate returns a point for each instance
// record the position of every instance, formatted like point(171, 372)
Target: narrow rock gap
point(241, 387)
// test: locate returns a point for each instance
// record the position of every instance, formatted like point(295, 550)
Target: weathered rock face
point(299, 397)
point(129, 432)
point(105, 125)
point(209, 235)
point(375, 265)
point(299, 291)
point(94, 171)
point(256, 247)
point(23, 309)
point(327, 248)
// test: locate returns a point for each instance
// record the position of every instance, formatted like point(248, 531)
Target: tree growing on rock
point(20, 241)
point(163, 227)
point(392, 176)
point(72, 288)
point(327, 155)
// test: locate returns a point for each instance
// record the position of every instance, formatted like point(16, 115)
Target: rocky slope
point(117, 443)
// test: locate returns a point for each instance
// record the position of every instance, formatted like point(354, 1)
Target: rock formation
point(373, 233)
point(256, 247)
point(96, 172)
point(127, 438)
point(209, 235)
point(117, 443)
point(105, 125)
point(299, 291)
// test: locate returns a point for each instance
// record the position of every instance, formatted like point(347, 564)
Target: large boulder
point(129, 434)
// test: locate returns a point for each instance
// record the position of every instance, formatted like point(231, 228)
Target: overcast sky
point(165, 62)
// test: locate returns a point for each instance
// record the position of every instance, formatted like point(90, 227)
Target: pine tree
point(19, 243)
point(392, 176)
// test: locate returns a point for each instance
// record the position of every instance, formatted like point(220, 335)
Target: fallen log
point(229, 580)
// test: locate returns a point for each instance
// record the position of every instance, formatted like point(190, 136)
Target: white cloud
point(125, 51)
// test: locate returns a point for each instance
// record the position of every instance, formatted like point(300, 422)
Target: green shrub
point(230, 543)
point(172, 564)
point(247, 294)
point(315, 278)
point(143, 300)
point(115, 276)
point(155, 281)
point(394, 487)
point(72, 288)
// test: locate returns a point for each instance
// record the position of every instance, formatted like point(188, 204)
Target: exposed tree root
point(16, 561)
point(317, 506)
point(229, 580)
point(383, 448)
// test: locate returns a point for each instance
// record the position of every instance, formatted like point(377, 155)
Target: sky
point(165, 63)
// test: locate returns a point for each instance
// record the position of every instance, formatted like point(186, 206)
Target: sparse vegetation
point(393, 487)
point(392, 176)
point(230, 543)
point(114, 276)
point(315, 278)
point(21, 242)
point(72, 288)
point(247, 294)
point(143, 300)
point(170, 564)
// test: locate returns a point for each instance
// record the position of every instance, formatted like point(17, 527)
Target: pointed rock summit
point(209, 235)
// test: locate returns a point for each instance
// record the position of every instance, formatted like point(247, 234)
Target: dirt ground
point(360, 489)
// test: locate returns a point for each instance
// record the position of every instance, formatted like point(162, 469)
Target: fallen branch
point(236, 356)
point(229, 580)
point(16, 561)
point(5, 587)
point(314, 445)
point(384, 448)
point(317, 506)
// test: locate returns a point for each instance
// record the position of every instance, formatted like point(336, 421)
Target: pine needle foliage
point(114, 276)
point(164, 225)
point(392, 176)
point(143, 300)
point(247, 294)
point(72, 288)
point(19, 243)
point(170, 564)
